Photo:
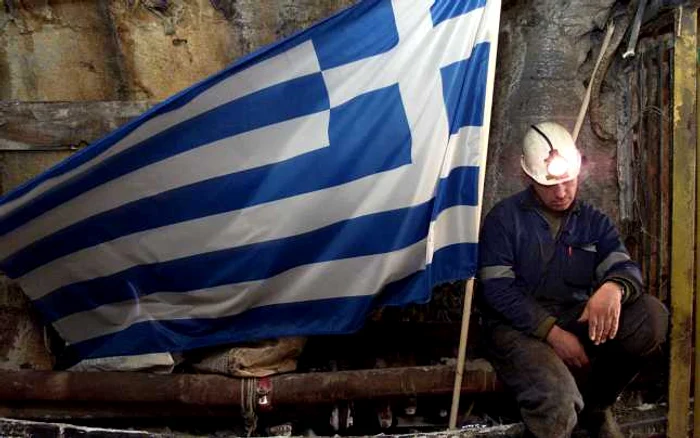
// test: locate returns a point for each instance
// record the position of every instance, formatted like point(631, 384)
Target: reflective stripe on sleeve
point(493, 272)
point(612, 259)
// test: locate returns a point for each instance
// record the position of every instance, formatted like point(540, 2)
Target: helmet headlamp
point(557, 165)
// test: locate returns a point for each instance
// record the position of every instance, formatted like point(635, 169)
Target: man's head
point(558, 197)
point(552, 161)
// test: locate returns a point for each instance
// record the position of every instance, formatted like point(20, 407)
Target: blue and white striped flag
point(289, 194)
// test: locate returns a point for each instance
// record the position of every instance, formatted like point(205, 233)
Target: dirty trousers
point(548, 394)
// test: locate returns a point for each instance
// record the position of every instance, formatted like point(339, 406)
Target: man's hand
point(603, 312)
point(567, 346)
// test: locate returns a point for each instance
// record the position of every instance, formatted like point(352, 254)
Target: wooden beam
point(683, 214)
point(50, 126)
point(696, 406)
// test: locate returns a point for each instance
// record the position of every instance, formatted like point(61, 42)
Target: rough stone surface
point(162, 51)
point(19, 167)
point(55, 51)
point(138, 49)
point(21, 335)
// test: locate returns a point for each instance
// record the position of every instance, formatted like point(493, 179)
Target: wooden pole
point(461, 356)
point(683, 212)
point(494, 13)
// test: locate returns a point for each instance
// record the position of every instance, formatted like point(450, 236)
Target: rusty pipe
point(218, 391)
point(117, 387)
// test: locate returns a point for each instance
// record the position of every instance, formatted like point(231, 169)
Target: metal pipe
point(660, 231)
point(636, 25)
point(377, 383)
point(183, 389)
point(178, 390)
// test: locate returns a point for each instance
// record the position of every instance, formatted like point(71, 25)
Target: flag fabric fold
point(335, 171)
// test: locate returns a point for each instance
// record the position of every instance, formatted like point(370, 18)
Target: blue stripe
point(383, 143)
point(451, 263)
point(464, 89)
point(454, 262)
point(372, 234)
point(181, 99)
point(299, 97)
point(321, 317)
point(445, 9)
point(461, 187)
point(370, 27)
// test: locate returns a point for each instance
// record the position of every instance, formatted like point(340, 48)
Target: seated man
point(567, 322)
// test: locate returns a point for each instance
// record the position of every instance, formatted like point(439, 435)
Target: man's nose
point(559, 191)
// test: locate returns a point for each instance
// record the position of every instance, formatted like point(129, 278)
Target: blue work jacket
point(532, 280)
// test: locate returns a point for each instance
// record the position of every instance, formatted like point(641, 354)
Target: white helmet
point(550, 155)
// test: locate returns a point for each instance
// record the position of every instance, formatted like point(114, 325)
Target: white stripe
point(463, 149)
point(152, 363)
point(457, 36)
point(294, 63)
point(458, 224)
point(352, 277)
point(242, 227)
point(234, 154)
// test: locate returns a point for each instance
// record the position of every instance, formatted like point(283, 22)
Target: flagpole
point(461, 356)
point(494, 11)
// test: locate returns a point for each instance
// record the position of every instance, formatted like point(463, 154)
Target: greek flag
point(290, 194)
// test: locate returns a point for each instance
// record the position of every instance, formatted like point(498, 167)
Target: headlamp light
point(557, 166)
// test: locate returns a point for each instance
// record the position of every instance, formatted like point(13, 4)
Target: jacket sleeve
point(614, 262)
point(502, 291)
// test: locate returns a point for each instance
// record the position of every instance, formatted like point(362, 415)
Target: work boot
point(601, 424)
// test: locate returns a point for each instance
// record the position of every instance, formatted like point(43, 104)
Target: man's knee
point(557, 394)
point(551, 409)
point(643, 326)
point(553, 390)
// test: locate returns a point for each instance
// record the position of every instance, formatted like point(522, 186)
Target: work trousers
point(550, 396)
